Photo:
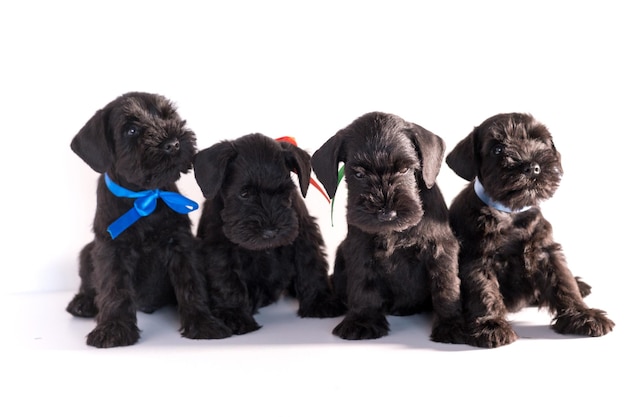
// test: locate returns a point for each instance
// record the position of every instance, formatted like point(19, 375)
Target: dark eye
point(497, 149)
point(403, 170)
point(359, 175)
point(131, 131)
point(244, 194)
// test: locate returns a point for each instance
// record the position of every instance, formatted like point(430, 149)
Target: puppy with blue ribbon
point(144, 255)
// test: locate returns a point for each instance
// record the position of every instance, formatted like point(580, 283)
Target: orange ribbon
point(292, 140)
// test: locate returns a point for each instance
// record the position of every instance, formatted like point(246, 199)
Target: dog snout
point(171, 145)
point(532, 169)
point(269, 233)
point(385, 215)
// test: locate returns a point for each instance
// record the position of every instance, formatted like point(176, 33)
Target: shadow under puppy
point(399, 256)
point(144, 254)
point(258, 239)
point(508, 257)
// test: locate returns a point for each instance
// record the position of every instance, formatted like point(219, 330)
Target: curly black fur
point(399, 256)
point(258, 240)
point(141, 142)
point(509, 260)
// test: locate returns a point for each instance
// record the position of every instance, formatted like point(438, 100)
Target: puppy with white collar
point(508, 258)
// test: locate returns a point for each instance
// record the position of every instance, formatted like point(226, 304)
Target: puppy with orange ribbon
point(258, 240)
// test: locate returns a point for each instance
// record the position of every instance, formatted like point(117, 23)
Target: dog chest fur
point(394, 268)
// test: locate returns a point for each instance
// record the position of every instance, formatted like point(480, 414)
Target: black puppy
point(258, 239)
point(399, 256)
point(508, 258)
point(144, 254)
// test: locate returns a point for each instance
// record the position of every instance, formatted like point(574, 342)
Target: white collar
point(484, 197)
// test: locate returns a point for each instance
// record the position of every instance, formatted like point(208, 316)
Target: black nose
point(387, 215)
point(269, 233)
point(171, 146)
point(532, 169)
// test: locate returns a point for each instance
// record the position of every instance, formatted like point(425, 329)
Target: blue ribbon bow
point(145, 204)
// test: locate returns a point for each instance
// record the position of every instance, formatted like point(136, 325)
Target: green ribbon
point(340, 174)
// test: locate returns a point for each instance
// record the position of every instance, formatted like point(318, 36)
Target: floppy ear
point(326, 160)
point(462, 159)
point(209, 167)
point(92, 145)
point(558, 156)
point(299, 161)
point(431, 148)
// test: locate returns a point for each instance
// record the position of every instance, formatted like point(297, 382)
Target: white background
point(307, 69)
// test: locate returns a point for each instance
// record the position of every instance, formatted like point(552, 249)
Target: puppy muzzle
point(171, 146)
point(385, 215)
point(532, 170)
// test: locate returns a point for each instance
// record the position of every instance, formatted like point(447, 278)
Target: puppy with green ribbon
point(399, 256)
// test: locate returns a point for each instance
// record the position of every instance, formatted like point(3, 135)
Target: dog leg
point(365, 318)
point(83, 304)
point(116, 319)
point(196, 320)
point(448, 325)
point(114, 331)
point(583, 288)
point(572, 316)
point(363, 324)
point(233, 310)
point(484, 308)
point(311, 283)
point(227, 292)
point(338, 279)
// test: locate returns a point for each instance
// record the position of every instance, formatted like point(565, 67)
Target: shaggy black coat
point(399, 256)
point(258, 240)
point(141, 142)
point(508, 258)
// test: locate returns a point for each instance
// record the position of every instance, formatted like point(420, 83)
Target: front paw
point(359, 327)
point(589, 322)
point(204, 326)
point(237, 321)
point(490, 333)
point(322, 307)
point(448, 331)
point(82, 305)
point(113, 334)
